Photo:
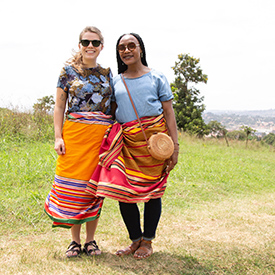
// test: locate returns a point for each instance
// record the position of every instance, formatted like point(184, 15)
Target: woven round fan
point(161, 146)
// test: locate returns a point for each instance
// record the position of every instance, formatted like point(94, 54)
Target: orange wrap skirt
point(67, 203)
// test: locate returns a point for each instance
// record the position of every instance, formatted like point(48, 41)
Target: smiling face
point(130, 57)
point(90, 53)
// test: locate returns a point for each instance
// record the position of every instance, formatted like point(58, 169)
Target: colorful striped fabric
point(127, 172)
point(67, 203)
point(90, 117)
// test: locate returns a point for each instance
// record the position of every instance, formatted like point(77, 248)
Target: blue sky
point(234, 40)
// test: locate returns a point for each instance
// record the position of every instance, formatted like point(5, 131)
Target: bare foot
point(91, 249)
point(129, 250)
point(74, 249)
point(145, 250)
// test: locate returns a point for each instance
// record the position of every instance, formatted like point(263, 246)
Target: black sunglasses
point(130, 46)
point(86, 42)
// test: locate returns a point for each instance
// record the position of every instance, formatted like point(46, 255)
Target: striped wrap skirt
point(67, 203)
point(126, 171)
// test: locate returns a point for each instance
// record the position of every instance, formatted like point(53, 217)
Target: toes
point(70, 254)
point(141, 256)
point(119, 253)
point(97, 252)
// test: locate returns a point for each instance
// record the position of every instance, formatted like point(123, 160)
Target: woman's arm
point(171, 125)
point(113, 109)
point(59, 109)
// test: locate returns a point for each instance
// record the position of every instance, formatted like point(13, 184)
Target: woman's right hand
point(59, 109)
point(59, 146)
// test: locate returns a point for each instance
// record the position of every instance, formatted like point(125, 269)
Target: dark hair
point(120, 65)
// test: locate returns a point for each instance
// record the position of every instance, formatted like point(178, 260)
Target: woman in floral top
point(86, 93)
point(86, 87)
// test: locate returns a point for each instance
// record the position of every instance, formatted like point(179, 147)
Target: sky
point(234, 40)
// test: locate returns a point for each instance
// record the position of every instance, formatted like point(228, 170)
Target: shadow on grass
point(159, 263)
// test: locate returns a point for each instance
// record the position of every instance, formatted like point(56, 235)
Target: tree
point(42, 115)
point(44, 105)
point(270, 139)
point(248, 132)
point(218, 130)
point(187, 103)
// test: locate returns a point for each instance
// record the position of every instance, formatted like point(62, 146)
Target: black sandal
point(92, 251)
point(73, 248)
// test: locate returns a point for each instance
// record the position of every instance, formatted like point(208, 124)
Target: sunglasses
point(130, 46)
point(86, 42)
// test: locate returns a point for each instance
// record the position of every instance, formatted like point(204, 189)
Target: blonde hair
point(77, 60)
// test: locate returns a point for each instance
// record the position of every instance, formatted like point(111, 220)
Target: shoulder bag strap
point(134, 109)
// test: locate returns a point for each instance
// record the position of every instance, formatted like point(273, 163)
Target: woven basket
point(161, 146)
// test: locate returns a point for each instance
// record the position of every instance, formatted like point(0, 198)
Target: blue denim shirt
point(147, 91)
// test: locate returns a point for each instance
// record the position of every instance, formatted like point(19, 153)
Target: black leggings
point(131, 216)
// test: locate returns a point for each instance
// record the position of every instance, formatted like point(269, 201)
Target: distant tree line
point(231, 119)
point(245, 133)
point(189, 107)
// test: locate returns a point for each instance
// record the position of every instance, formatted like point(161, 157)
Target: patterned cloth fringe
point(90, 118)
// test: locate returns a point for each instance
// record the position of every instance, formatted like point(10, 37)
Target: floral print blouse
point(88, 93)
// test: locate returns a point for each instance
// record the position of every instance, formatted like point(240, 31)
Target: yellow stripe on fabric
point(110, 185)
point(135, 130)
point(120, 158)
point(140, 174)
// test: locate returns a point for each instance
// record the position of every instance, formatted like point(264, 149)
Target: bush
point(237, 134)
point(270, 139)
point(33, 126)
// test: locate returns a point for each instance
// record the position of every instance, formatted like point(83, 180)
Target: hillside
point(262, 121)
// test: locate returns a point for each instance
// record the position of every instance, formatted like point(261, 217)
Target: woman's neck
point(136, 71)
point(91, 64)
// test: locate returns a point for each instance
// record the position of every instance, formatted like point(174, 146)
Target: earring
point(141, 54)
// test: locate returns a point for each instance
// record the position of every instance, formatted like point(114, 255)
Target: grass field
point(218, 215)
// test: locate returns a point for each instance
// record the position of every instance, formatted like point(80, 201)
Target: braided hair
point(123, 67)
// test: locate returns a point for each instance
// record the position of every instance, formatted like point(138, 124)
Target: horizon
point(228, 110)
point(221, 34)
point(10, 106)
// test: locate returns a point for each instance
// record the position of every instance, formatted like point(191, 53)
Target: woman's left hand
point(172, 161)
point(171, 124)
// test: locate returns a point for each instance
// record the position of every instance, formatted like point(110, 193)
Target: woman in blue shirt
point(152, 97)
point(128, 173)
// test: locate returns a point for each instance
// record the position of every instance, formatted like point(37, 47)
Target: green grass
point(27, 126)
point(26, 169)
point(218, 215)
